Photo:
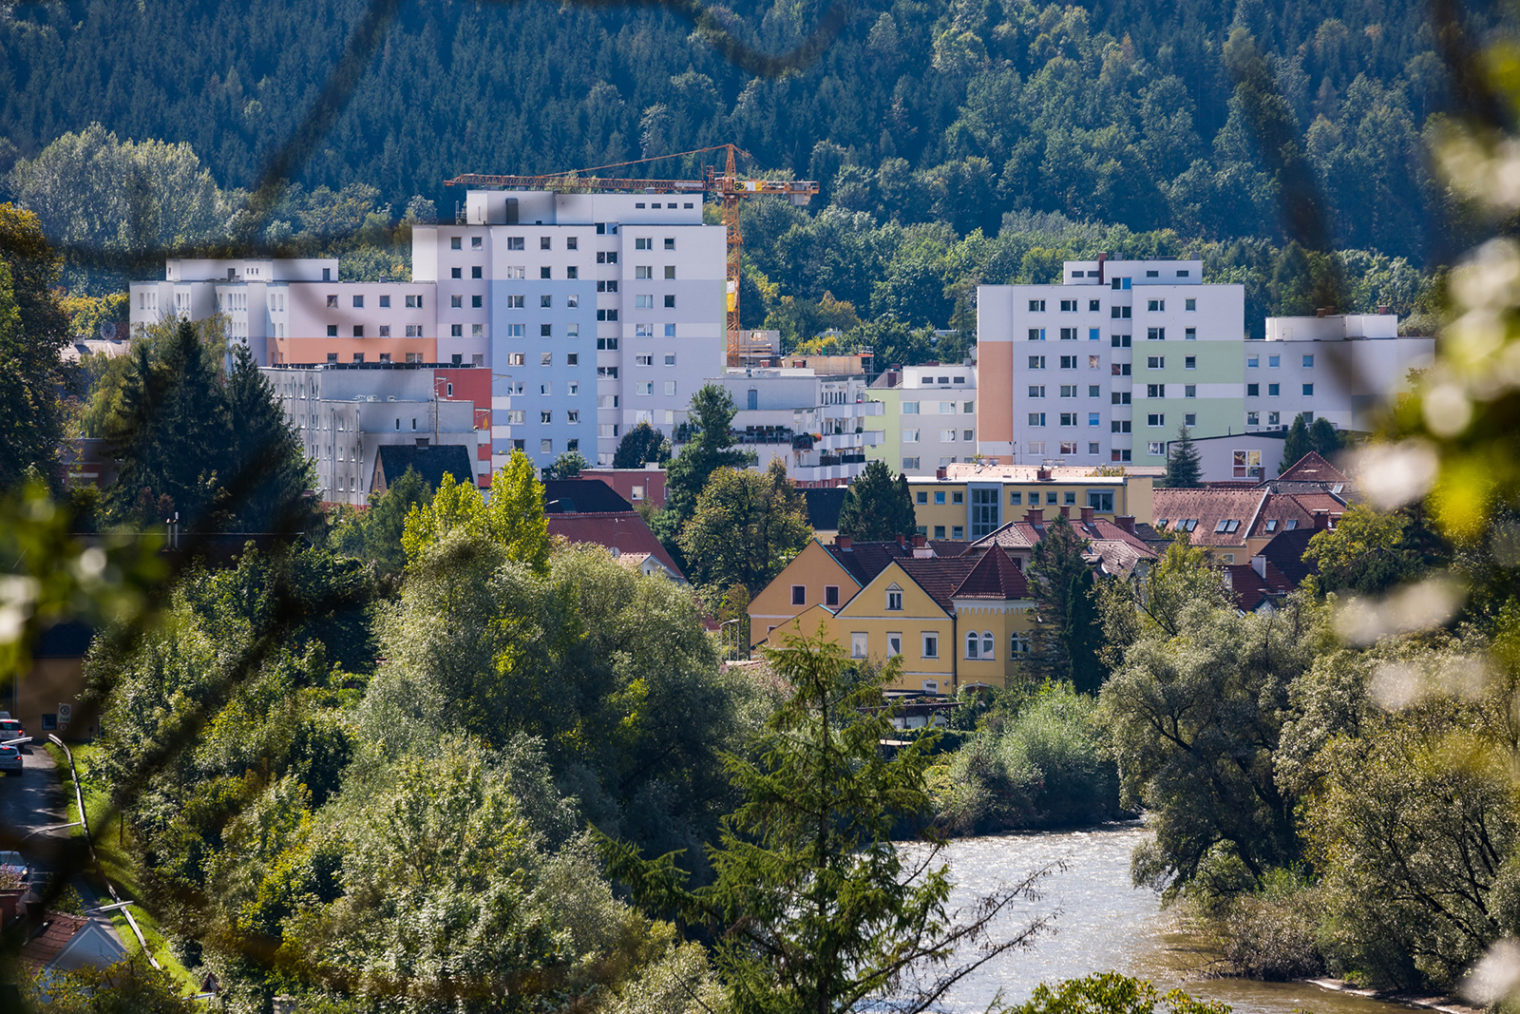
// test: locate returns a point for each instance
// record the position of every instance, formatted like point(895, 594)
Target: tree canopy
point(878, 507)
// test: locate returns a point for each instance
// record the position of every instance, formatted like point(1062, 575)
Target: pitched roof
point(939, 576)
point(430, 463)
point(1286, 553)
point(1312, 467)
point(620, 531)
point(58, 932)
point(1009, 536)
point(1283, 512)
point(582, 496)
point(864, 560)
point(1210, 517)
point(1112, 548)
point(1252, 589)
point(823, 506)
point(994, 577)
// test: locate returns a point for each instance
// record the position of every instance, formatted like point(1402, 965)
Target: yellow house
point(820, 575)
point(967, 500)
point(953, 622)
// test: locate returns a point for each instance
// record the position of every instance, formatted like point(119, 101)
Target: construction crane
point(726, 186)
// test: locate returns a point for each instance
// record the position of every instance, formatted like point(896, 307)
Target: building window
point(1309, 360)
point(455, 243)
point(931, 645)
point(1036, 305)
point(1273, 389)
point(332, 330)
point(894, 599)
point(670, 302)
point(670, 242)
point(1190, 334)
point(973, 645)
point(858, 645)
point(894, 645)
point(1308, 389)
point(1018, 644)
point(799, 594)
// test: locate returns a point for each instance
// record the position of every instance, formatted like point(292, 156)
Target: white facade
point(594, 312)
point(1342, 368)
point(343, 416)
point(1106, 365)
point(928, 417)
point(815, 424)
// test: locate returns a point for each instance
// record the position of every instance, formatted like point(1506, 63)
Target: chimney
point(1324, 311)
point(921, 548)
point(1126, 522)
point(1102, 258)
point(1259, 564)
point(942, 472)
point(1087, 515)
point(1066, 512)
point(1321, 520)
point(1042, 474)
point(919, 541)
point(1035, 516)
point(842, 541)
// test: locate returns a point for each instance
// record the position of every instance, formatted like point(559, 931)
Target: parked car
point(10, 760)
point(10, 728)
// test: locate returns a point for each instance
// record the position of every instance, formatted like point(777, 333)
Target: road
point(34, 800)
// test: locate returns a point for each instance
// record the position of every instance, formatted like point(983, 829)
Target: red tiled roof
point(993, 577)
point(1313, 468)
point(1117, 550)
point(939, 576)
point(1251, 589)
point(43, 949)
point(864, 560)
point(623, 531)
point(1202, 512)
point(1293, 511)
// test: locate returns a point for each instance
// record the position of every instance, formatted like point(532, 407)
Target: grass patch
point(111, 851)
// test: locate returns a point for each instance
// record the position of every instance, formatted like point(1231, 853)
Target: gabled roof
point(430, 463)
point(1009, 536)
point(864, 560)
point(939, 577)
point(993, 577)
point(620, 531)
point(1111, 547)
point(823, 506)
point(1286, 553)
point(582, 496)
point(1210, 517)
point(1251, 589)
point(1283, 512)
point(60, 932)
point(1312, 467)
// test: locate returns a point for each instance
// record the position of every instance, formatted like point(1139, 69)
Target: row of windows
point(1273, 390)
point(412, 330)
point(413, 301)
point(516, 416)
point(945, 407)
point(571, 242)
point(912, 436)
point(1154, 334)
point(1276, 360)
point(979, 645)
point(1189, 304)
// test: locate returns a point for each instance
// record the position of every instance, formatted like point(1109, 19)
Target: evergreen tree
point(1297, 444)
point(268, 477)
point(567, 466)
point(374, 534)
point(877, 507)
point(169, 433)
point(1324, 438)
point(710, 448)
point(1183, 467)
point(1069, 632)
point(639, 445)
point(33, 330)
point(813, 908)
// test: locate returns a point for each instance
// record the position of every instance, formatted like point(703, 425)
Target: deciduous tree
point(746, 528)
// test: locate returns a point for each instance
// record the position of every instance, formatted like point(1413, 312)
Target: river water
point(1102, 922)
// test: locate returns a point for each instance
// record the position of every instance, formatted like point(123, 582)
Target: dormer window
point(894, 599)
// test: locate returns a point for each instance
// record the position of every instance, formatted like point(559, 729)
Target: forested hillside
point(945, 116)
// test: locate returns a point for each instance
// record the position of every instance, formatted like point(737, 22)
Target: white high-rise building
point(593, 312)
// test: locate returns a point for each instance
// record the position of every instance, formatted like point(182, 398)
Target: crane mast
point(728, 187)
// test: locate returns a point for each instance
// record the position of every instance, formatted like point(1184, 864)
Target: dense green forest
point(923, 123)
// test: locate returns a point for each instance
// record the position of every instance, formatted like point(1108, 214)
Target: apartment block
point(344, 414)
point(970, 501)
point(1340, 367)
point(592, 312)
point(815, 424)
point(928, 416)
point(1104, 366)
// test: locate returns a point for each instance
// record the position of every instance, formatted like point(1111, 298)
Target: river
point(1102, 922)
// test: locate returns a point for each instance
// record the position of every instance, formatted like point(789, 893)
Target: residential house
point(1114, 548)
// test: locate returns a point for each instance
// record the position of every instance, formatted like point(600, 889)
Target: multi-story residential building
point(592, 312)
point(1340, 367)
point(969, 501)
point(1106, 365)
point(595, 311)
point(344, 414)
point(928, 416)
point(816, 424)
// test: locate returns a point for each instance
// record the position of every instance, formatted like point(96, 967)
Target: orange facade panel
point(292, 351)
